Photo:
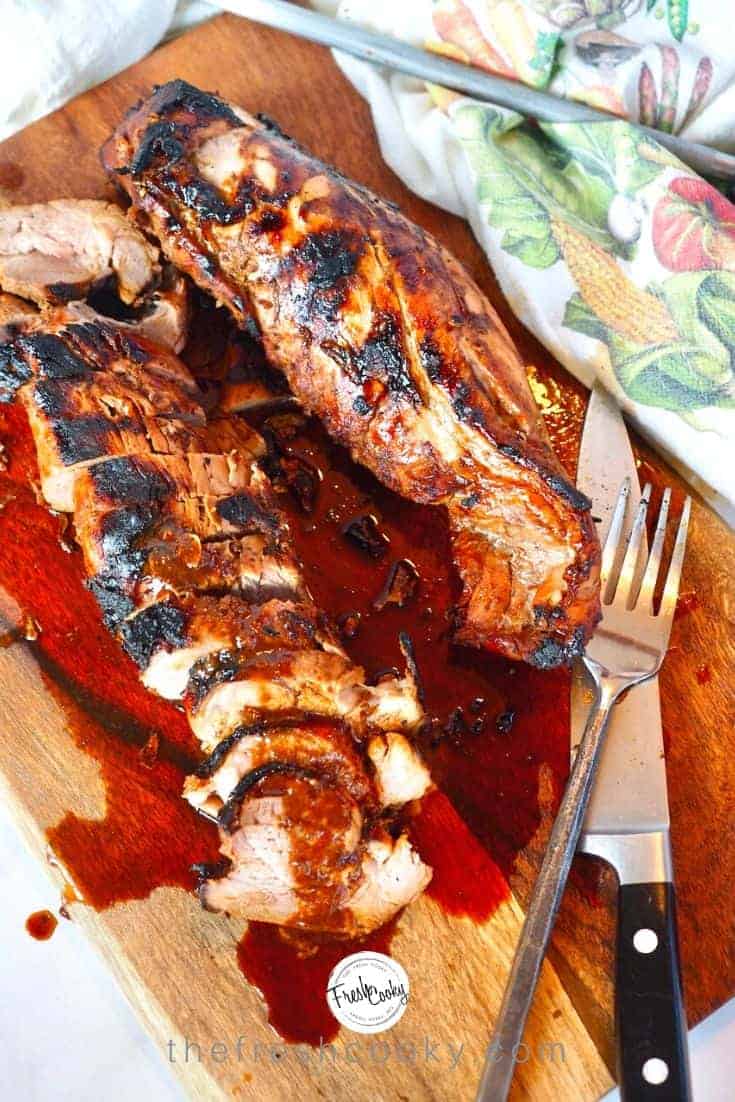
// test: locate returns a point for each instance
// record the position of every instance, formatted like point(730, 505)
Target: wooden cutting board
point(176, 963)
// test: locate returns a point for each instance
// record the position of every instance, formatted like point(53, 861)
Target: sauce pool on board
point(41, 925)
point(493, 724)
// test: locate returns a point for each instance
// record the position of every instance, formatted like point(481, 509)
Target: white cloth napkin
point(619, 259)
point(51, 50)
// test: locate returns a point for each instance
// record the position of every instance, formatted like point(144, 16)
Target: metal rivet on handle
point(645, 941)
point(655, 1071)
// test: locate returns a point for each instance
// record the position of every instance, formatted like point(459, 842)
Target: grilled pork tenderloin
point(190, 559)
point(69, 250)
point(385, 336)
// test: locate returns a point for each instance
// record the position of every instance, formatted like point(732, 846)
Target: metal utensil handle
point(547, 893)
point(381, 49)
point(653, 1061)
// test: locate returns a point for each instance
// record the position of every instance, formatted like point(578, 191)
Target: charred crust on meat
point(302, 480)
point(119, 533)
point(400, 585)
point(431, 358)
point(574, 497)
point(243, 512)
point(578, 501)
point(229, 811)
point(349, 623)
point(210, 870)
point(268, 222)
point(408, 651)
point(462, 407)
point(159, 140)
point(504, 722)
point(205, 200)
point(211, 764)
point(97, 340)
point(251, 330)
point(363, 531)
point(383, 357)
point(61, 293)
point(552, 652)
point(88, 338)
point(48, 396)
point(203, 106)
point(385, 673)
point(126, 481)
point(161, 152)
point(160, 625)
point(299, 477)
point(210, 671)
point(328, 257)
point(14, 371)
point(115, 604)
point(272, 127)
point(55, 359)
point(84, 437)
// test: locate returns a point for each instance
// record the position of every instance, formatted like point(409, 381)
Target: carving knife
point(627, 820)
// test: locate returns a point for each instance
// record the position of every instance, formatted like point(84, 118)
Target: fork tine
point(630, 563)
point(612, 543)
point(671, 589)
point(648, 585)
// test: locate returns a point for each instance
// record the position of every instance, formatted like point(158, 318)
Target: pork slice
point(56, 252)
point(322, 746)
point(136, 512)
point(393, 875)
point(400, 774)
point(72, 343)
point(297, 856)
point(77, 423)
point(162, 316)
point(293, 843)
point(166, 638)
point(229, 689)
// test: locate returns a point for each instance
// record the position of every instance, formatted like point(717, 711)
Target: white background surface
point(65, 1029)
point(68, 1034)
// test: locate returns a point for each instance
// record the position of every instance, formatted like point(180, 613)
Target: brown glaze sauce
point(493, 723)
point(148, 835)
point(41, 925)
point(293, 977)
point(11, 176)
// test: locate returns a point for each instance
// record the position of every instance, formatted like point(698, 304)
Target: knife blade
point(627, 820)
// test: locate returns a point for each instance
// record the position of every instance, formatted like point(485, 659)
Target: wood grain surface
point(176, 963)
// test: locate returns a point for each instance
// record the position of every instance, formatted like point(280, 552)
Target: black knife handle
point(651, 1022)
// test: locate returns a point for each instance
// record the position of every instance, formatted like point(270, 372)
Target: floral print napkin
point(616, 255)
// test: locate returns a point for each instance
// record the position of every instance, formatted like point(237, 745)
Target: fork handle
point(651, 1022)
point(500, 1057)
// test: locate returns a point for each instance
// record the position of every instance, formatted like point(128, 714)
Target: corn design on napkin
point(618, 257)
